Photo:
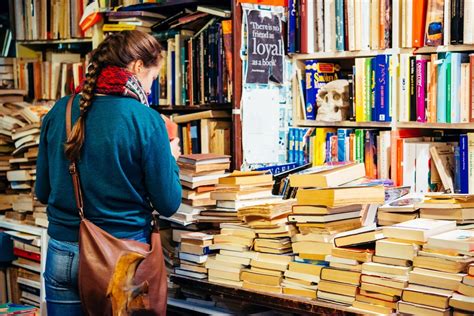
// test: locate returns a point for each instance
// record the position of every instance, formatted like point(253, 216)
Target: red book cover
point(419, 20)
point(304, 25)
point(27, 254)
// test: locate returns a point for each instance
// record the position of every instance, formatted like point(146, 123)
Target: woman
point(125, 160)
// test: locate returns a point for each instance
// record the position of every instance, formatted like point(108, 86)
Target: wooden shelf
point(311, 123)
point(351, 54)
point(60, 41)
point(12, 225)
point(448, 48)
point(435, 125)
point(196, 108)
point(390, 51)
point(295, 304)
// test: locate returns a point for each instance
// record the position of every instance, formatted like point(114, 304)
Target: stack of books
point(131, 20)
point(389, 275)
point(193, 254)
point(199, 173)
point(453, 207)
point(322, 213)
point(400, 210)
point(270, 223)
point(266, 272)
point(241, 189)
point(19, 130)
point(234, 244)
point(463, 300)
point(302, 277)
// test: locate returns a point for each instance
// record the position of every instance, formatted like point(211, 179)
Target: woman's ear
point(136, 66)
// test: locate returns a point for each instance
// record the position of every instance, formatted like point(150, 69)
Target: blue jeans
point(61, 277)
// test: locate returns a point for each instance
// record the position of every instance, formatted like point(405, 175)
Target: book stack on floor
point(463, 300)
point(199, 173)
point(19, 130)
point(387, 278)
point(400, 210)
point(234, 243)
point(170, 255)
point(455, 207)
point(193, 254)
point(240, 189)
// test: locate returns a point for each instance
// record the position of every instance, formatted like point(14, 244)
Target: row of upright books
point(425, 88)
point(197, 66)
point(337, 25)
point(49, 20)
point(435, 88)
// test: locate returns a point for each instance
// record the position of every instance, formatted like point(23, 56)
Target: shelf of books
point(59, 41)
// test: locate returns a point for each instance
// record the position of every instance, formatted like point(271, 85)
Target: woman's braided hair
point(118, 49)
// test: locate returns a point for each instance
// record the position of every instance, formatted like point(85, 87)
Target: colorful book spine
point(328, 146)
point(404, 99)
point(432, 86)
point(370, 155)
point(359, 89)
point(421, 88)
point(291, 145)
point(441, 89)
point(434, 25)
point(340, 25)
point(471, 87)
point(382, 94)
point(457, 170)
point(311, 90)
point(359, 145)
point(333, 148)
point(292, 5)
point(368, 90)
point(464, 163)
point(412, 88)
point(470, 162)
point(303, 26)
point(374, 110)
point(343, 135)
point(448, 95)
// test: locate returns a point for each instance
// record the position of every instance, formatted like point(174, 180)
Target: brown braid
point(118, 49)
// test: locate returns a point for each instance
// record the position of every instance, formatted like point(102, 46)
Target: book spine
point(449, 85)
point(291, 26)
point(412, 89)
point(320, 24)
point(351, 24)
point(312, 30)
point(365, 24)
point(457, 170)
point(434, 23)
point(455, 20)
point(432, 83)
point(471, 87)
point(447, 22)
point(374, 39)
point(352, 146)
point(359, 145)
point(420, 90)
point(468, 14)
point(311, 90)
point(291, 145)
point(358, 96)
point(370, 155)
point(455, 90)
point(470, 163)
point(441, 91)
point(339, 25)
point(466, 159)
point(382, 25)
point(341, 138)
point(388, 23)
point(419, 19)
point(304, 26)
point(374, 112)
point(464, 86)
point(334, 148)
point(329, 135)
point(346, 25)
point(368, 90)
point(403, 109)
point(330, 25)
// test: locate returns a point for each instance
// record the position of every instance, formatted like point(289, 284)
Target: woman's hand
point(175, 148)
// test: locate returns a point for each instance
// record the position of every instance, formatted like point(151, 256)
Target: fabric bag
point(108, 282)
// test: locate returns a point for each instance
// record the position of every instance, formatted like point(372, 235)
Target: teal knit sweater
point(126, 169)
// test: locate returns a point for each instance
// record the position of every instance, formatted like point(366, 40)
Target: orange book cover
point(433, 84)
point(419, 20)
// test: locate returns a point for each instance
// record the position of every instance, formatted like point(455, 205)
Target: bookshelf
point(311, 123)
point(196, 108)
point(37, 231)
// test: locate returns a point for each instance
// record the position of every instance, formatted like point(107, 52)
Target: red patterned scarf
point(114, 80)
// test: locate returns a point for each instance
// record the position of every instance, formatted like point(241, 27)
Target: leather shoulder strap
point(72, 164)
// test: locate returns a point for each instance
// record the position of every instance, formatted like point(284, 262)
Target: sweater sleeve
point(42, 185)
point(161, 173)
